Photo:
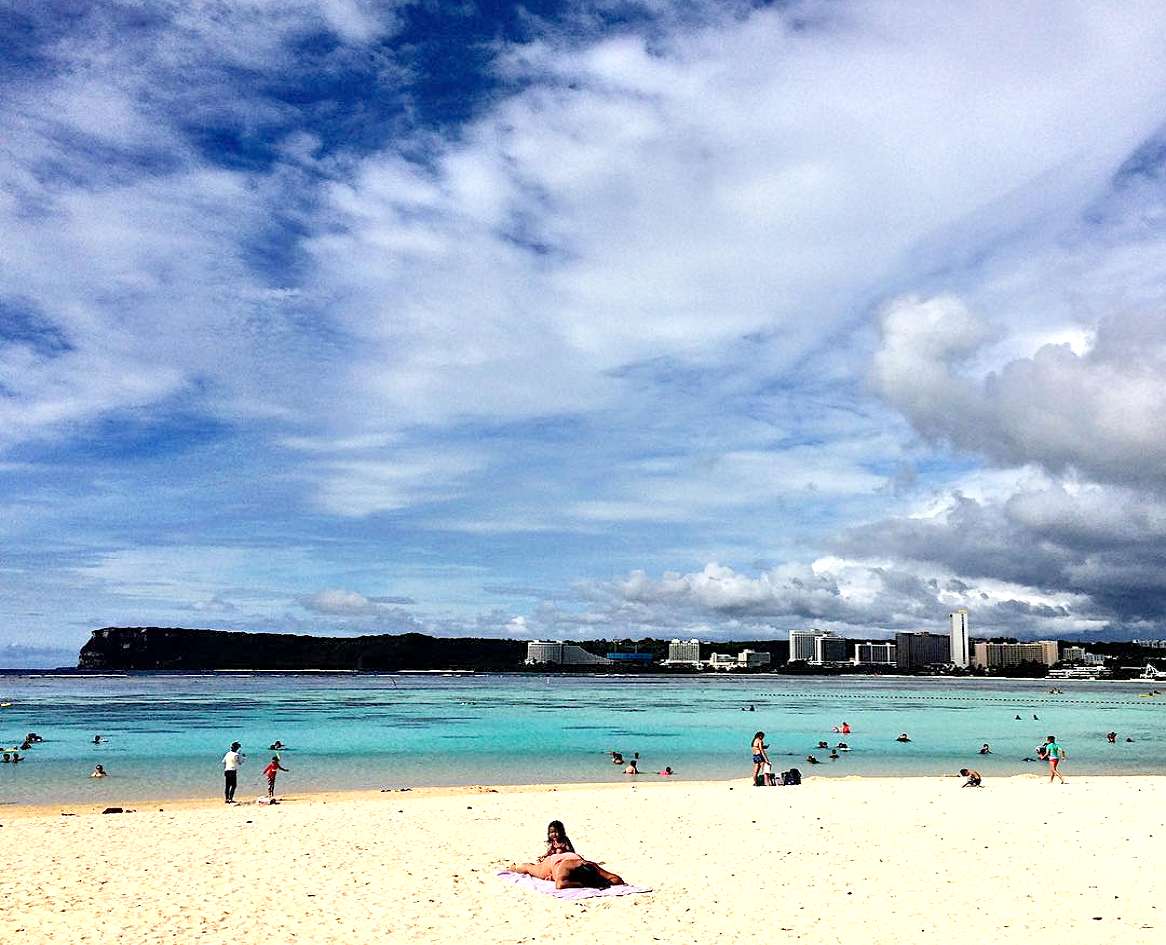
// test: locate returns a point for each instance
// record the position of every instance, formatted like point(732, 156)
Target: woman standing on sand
point(760, 757)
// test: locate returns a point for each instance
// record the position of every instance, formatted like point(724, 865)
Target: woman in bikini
point(564, 867)
point(760, 757)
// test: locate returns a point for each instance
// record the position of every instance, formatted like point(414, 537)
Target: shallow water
point(166, 733)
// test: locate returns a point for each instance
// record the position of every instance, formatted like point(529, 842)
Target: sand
point(835, 860)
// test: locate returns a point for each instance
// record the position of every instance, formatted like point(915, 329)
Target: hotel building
point(830, 649)
point(1003, 655)
point(916, 650)
point(803, 645)
point(558, 653)
point(874, 654)
point(960, 654)
point(684, 651)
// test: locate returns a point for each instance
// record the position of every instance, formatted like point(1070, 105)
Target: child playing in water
point(270, 772)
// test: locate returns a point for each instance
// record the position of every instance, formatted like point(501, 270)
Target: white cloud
point(1102, 413)
point(345, 603)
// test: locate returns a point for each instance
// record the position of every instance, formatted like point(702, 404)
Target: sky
point(577, 320)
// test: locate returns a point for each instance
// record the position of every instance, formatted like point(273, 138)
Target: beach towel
point(548, 887)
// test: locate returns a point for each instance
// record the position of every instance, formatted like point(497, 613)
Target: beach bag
point(791, 777)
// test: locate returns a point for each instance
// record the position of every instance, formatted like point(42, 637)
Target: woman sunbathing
point(564, 867)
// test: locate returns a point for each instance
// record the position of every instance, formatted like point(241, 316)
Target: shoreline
point(307, 798)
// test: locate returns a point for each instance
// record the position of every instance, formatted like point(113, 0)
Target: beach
point(834, 860)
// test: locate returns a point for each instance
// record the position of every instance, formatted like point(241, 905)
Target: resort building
point(746, 659)
point(916, 650)
point(801, 644)
point(960, 655)
point(753, 659)
point(829, 648)
point(1003, 655)
point(561, 654)
point(1078, 654)
point(874, 654)
point(684, 651)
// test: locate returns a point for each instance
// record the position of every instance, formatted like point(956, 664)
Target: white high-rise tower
point(959, 638)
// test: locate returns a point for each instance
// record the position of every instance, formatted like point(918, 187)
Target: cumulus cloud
point(1101, 413)
point(345, 603)
point(1096, 548)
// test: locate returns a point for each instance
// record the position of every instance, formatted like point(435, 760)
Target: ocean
point(164, 734)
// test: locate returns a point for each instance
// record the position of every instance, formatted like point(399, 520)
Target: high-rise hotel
point(960, 650)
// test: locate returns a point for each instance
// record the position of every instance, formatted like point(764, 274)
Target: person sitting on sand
point(810, 759)
point(566, 868)
point(631, 768)
point(666, 773)
point(973, 778)
point(903, 737)
point(98, 772)
point(985, 750)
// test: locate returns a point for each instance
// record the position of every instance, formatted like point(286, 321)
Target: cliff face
point(161, 648)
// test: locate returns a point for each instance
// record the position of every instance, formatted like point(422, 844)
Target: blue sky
point(581, 319)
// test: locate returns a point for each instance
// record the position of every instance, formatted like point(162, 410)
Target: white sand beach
point(835, 860)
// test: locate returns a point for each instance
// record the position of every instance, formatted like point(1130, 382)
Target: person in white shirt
point(231, 763)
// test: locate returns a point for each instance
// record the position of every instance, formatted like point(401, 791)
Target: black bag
point(791, 777)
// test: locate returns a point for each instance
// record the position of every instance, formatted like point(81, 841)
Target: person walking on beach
point(1055, 754)
point(270, 772)
point(760, 757)
point(232, 761)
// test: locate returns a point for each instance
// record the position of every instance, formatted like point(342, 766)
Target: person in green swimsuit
point(1054, 753)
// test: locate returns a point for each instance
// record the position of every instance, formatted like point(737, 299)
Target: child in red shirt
point(270, 772)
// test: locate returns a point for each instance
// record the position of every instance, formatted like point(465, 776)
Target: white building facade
point(801, 644)
point(960, 651)
point(684, 651)
point(558, 653)
point(874, 654)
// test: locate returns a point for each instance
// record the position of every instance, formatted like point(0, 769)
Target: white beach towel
point(548, 887)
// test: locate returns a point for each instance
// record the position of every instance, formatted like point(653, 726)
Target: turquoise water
point(166, 733)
